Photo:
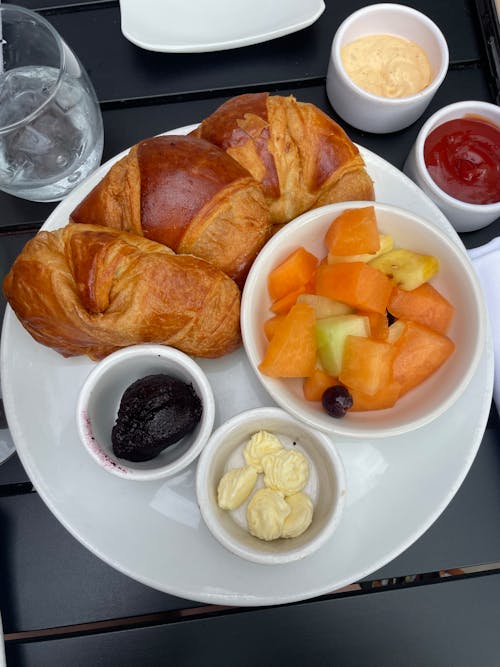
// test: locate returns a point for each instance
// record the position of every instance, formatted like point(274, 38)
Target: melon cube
point(355, 283)
point(424, 304)
point(420, 352)
point(367, 364)
point(331, 333)
point(324, 306)
point(291, 352)
point(385, 398)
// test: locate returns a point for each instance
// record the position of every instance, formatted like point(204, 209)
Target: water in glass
point(43, 159)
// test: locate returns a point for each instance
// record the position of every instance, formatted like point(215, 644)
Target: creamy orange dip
point(387, 65)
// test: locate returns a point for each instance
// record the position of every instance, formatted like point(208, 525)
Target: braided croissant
point(188, 194)
point(85, 289)
point(300, 155)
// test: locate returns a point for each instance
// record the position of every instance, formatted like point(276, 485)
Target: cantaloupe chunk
point(425, 305)
point(366, 364)
point(379, 325)
point(315, 385)
point(382, 399)
point(354, 283)
point(271, 325)
point(295, 271)
point(291, 352)
point(354, 231)
point(282, 306)
point(386, 243)
point(420, 352)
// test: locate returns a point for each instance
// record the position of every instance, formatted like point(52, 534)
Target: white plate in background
point(213, 25)
point(153, 531)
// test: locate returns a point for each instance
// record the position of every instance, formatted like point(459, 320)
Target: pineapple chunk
point(386, 244)
point(407, 269)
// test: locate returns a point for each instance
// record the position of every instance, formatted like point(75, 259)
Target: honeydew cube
point(331, 333)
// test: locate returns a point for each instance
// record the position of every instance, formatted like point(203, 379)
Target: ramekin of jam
point(456, 161)
point(145, 412)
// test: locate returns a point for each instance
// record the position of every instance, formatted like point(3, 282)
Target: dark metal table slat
point(123, 70)
point(447, 624)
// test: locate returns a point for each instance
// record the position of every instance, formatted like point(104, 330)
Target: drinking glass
point(51, 133)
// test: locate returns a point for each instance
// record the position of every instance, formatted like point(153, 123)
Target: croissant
point(85, 289)
point(300, 155)
point(187, 194)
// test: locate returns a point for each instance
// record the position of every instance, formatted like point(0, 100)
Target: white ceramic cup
point(463, 216)
point(373, 113)
point(326, 486)
point(100, 397)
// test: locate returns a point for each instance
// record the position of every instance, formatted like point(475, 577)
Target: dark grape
point(336, 401)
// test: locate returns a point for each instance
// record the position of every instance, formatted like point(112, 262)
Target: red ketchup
point(463, 159)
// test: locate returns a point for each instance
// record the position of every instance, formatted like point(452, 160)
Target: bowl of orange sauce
point(386, 63)
point(455, 160)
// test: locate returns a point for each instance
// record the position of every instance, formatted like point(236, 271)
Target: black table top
point(435, 604)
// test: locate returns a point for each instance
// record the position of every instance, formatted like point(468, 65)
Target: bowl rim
point(341, 427)
point(434, 121)
point(428, 91)
point(208, 511)
point(122, 468)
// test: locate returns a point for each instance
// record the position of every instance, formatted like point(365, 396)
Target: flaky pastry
point(85, 289)
point(187, 194)
point(300, 155)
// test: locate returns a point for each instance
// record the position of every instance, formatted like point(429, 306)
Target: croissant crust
point(188, 194)
point(85, 289)
point(302, 158)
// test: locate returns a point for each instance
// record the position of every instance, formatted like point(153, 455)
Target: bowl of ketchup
point(456, 161)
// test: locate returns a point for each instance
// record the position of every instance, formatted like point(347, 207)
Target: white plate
point(215, 25)
point(7, 447)
point(3, 662)
point(154, 532)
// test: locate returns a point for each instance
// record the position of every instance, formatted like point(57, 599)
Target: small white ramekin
point(327, 486)
point(463, 216)
point(373, 113)
point(100, 397)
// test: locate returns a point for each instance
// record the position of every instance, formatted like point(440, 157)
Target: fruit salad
point(362, 325)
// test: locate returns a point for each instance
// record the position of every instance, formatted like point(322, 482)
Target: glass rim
point(16, 9)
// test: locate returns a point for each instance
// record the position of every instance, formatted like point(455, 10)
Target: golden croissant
point(187, 194)
point(301, 156)
point(85, 289)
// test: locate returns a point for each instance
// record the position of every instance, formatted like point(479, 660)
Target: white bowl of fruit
point(363, 319)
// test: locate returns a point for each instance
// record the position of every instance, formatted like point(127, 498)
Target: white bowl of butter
point(387, 61)
point(270, 488)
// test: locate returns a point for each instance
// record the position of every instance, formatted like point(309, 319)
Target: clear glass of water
point(51, 132)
